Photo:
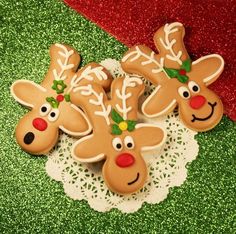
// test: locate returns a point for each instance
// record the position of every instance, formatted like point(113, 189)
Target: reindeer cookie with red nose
point(50, 102)
point(179, 81)
point(117, 136)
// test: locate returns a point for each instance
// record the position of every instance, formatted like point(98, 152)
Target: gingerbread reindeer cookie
point(179, 81)
point(117, 137)
point(50, 103)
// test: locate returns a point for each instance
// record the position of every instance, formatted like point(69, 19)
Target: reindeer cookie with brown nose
point(117, 137)
point(50, 102)
point(179, 81)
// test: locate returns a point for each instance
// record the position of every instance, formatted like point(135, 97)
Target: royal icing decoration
point(179, 80)
point(52, 109)
point(147, 59)
point(180, 74)
point(121, 124)
point(124, 95)
point(116, 137)
point(63, 62)
point(96, 101)
point(169, 43)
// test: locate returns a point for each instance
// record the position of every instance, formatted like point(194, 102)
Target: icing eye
point(44, 109)
point(129, 142)
point(117, 144)
point(53, 115)
point(193, 86)
point(184, 92)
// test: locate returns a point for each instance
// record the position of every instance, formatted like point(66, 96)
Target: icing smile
point(132, 182)
point(209, 116)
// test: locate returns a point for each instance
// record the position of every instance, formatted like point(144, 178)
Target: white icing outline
point(158, 113)
point(96, 158)
point(86, 74)
point(29, 105)
point(87, 91)
point(150, 59)
point(147, 148)
point(127, 82)
point(220, 69)
point(78, 133)
point(168, 45)
point(64, 66)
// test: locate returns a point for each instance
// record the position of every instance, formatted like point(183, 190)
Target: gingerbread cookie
point(179, 80)
point(50, 103)
point(117, 136)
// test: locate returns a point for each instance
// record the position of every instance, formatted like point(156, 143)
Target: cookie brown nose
point(28, 138)
point(125, 160)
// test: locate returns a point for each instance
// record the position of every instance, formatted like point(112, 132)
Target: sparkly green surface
point(31, 202)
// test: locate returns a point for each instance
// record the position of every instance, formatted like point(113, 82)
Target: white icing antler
point(87, 91)
point(149, 59)
point(86, 74)
point(127, 82)
point(168, 45)
point(63, 66)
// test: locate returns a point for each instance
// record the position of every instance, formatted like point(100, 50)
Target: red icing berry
point(60, 98)
point(182, 72)
point(125, 160)
point(197, 102)
point(40, 124)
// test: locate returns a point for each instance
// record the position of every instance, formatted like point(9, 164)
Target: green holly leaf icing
point(172, 73)
point(115, 129)
point(59, 86)
point(53, 102)
point(67, 97)
point(131, 125)
point(116, 116)
point(182, 78)
point(186, 65)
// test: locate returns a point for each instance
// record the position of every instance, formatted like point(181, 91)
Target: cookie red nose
point(125, 160)
point(40, 124)
point(197, 102)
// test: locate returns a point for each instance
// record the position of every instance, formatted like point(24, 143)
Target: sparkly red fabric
point(210, 28)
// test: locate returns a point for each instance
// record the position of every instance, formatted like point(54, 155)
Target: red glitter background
point(210, 28)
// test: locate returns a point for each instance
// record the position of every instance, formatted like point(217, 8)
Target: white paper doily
point(166, 166)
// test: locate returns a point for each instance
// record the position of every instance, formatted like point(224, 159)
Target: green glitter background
point(31, 202)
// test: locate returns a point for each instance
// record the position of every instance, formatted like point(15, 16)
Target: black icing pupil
point(118, 146)
point(185, 94)
point(53, 114)
point(44, 109)
point(129, 145)
point(195, 88)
